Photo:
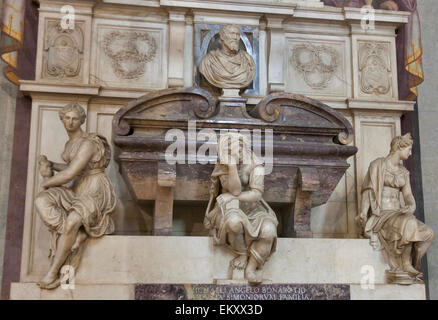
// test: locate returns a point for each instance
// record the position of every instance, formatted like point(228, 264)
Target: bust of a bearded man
point(228, 67)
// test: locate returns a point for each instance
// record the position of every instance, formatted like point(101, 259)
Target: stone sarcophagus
point(166, 144)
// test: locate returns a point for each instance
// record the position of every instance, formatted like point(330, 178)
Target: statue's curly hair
point(401, 142)
point(223, 31)
point(74, 106)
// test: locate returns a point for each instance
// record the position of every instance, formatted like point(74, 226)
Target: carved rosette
point(63, 51)
point(374, 68)
point(129, 52)
point(316, 64)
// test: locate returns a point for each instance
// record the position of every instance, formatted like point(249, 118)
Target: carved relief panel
point(63, 52)
point(128, 57)
point(317, 68)
point(129, 52)
point(376, 70)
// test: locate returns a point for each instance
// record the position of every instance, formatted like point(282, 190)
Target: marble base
point(156, 259)
point(239, 282)
point(113, 265)
point(389, 292)
point(30, 291)
point(230, 93)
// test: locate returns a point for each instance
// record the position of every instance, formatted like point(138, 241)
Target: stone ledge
point(30, 291)
point(151, 259)
point(38, 87)
point(389, 292)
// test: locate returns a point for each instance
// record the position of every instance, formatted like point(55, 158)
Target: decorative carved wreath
point(130, 53)
point(315, 63)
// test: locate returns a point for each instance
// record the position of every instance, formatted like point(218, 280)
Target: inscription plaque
point(242, 292)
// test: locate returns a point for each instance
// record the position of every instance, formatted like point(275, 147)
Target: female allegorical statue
point(240, 218)
point(388, 220)
point(82, 211)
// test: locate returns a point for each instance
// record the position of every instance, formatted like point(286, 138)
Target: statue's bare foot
point(50, 281)
point(413, 272)
point(81, 237)
point(254, 277)
point(239, 262)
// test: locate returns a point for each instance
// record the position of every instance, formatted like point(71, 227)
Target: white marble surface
point(148, 259)
point(389, 292)
point(30, 291)
point(102, 93)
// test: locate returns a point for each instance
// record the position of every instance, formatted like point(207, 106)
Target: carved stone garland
point(316, 63)
point(129, 52)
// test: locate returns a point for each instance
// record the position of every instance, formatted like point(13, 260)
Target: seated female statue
point(74, 214)
point(240, 218)
point(388, 219)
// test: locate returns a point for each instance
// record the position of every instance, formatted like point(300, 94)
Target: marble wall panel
point(318, 66)
point(375, 69)
point(129, 55)
point(128, 217)
point(373, 136)
point(63, 52)
point(335, 219)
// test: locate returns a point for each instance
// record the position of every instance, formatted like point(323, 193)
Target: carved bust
point(229, 67)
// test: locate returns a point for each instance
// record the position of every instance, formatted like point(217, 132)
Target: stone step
point(30, 291)
point(153, 259)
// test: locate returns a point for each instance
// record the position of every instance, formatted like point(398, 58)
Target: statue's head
point(72, 116)
point(402, 145)
point(230, 38)
point(234, 146)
